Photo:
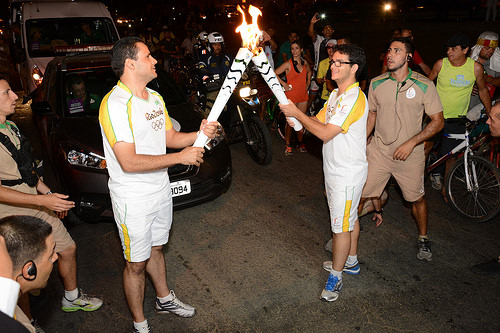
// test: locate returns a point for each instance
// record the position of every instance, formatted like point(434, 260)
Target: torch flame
point(250, 33)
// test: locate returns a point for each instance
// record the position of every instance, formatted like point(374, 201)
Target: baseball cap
point(458, 39)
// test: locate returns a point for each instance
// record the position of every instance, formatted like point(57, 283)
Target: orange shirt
point(298, 94)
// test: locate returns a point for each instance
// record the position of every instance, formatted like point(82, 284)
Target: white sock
point(352, 259)
point(420, 237)
point(142, 326)
point(71, 295)
point(167, 298)
point(336, 273)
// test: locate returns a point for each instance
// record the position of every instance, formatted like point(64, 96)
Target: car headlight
point(85, 159)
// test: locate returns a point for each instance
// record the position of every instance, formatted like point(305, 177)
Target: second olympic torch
point(262, 63)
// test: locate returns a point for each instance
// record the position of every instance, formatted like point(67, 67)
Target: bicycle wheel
point(482, 202)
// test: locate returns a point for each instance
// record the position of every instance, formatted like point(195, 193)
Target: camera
point(320, 16)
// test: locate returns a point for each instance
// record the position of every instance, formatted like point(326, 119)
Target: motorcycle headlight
point(85, 159)
point(37, 75)
point(245, 92)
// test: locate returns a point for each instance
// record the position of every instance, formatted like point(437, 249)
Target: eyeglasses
point(339, 63)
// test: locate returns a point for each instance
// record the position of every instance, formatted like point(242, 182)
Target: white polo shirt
point(124, 117)
point(344, 156)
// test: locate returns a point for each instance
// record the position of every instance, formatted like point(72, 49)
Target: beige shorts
point(408, 174)
point(61, 236)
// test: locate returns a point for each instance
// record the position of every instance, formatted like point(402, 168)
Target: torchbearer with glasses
point(341, 125)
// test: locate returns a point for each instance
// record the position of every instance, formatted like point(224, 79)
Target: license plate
point(181, 187)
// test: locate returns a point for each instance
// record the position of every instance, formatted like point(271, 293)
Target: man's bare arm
point(435, 70)
point(436, 124)
point(483, 92)
point(132, 162)
point(311, 32)
point(324, 132)
point(370, 122)
point(425, 68)
point(55, 201)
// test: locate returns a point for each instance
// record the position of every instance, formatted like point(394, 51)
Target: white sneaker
point(328, 245)
point(82, 302)
point(424, 250)
point(175, 306)
point(348, 269)
point(436, 181)
point(332, 288)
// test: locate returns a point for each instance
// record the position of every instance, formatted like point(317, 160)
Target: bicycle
point(472, 185)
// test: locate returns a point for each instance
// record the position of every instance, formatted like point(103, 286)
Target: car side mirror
point(42, 108)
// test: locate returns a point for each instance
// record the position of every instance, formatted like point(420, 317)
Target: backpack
point(23, 158)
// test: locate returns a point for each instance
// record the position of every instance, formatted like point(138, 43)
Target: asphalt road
point(251, 261)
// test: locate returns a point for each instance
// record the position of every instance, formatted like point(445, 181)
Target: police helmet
point(203, 36)
point(215, 37)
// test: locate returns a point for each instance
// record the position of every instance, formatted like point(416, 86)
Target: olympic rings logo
point(157, 124)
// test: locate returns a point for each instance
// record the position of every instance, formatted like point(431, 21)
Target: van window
point(48, 37)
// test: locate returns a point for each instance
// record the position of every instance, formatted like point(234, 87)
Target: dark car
point(66, 111)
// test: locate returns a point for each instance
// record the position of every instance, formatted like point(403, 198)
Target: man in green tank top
point(456, 75)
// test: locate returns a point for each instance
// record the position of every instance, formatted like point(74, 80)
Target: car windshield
point(51, 37)
point(84, 90)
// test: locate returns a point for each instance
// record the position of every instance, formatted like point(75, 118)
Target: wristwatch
point(379, 211)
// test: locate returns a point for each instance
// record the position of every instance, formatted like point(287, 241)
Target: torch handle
point(260, 61)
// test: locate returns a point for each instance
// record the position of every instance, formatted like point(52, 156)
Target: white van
point(45, 29)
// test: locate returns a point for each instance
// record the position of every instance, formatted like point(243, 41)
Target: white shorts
point(343, 202)
point(142, 225)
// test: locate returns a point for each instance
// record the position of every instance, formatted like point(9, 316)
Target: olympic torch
point(238, 66)
point(250, 34)
point(261, 62)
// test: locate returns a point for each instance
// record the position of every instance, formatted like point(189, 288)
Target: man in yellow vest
point(456, 75)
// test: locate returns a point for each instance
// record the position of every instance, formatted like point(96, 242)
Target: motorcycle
point(240, 117)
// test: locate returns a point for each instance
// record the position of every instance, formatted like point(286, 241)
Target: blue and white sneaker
point(332, 288)
point(175, 306)
point(348, 269)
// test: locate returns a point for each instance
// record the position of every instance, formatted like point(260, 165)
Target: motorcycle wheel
point(259, 144)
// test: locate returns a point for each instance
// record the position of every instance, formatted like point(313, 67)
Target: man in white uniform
point(341, 124)
point(136, 130)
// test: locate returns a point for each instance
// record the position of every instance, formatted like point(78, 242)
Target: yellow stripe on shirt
point(104, 118)
point(357, 111)
point(105, 122)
